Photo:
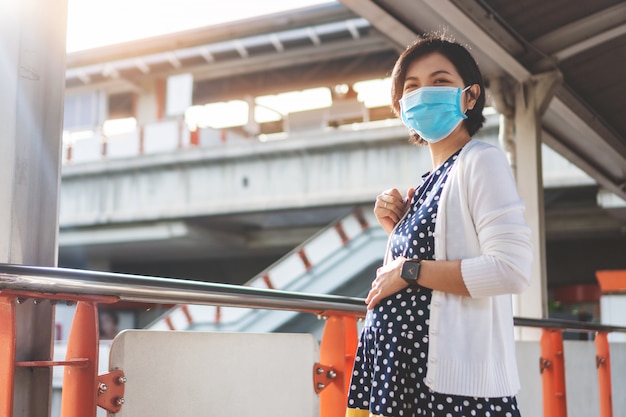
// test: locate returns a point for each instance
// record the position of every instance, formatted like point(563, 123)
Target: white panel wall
point(196, 374)
point(613, 313)
point(190, 363)
point(581, 379)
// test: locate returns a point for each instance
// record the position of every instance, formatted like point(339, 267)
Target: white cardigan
point(480, 221)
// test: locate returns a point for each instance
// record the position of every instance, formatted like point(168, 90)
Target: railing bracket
point(111, 391)
point(323, 376)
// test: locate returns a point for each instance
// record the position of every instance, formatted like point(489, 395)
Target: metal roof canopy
point(311, 38)
point(585, 41)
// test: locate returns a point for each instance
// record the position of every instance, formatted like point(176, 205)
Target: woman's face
point(436, 70)
point(431, 70)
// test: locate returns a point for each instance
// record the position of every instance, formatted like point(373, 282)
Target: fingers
point(389, 204)
point(372, 300)
point(373, 296)
point(409, 194)
point(386, 283)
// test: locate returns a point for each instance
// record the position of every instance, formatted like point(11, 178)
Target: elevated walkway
point(341, 258)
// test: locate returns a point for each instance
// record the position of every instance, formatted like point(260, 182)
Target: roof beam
point(384, 22)
point(173, 59)
point(206, 54)
point(353, 29)
point(240, 48)
point(278, 45)
point(584, 33)
point(108, 70)
point(82, 75)
point(313, 36)
point(586, 141)
point(590, 42)
point(292, 19)
point(142, 66)
point(328, 51)
point(457, 18)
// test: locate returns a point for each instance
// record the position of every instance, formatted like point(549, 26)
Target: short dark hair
point(462, 60)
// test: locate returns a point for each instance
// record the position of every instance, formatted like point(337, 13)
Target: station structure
point(176, 156)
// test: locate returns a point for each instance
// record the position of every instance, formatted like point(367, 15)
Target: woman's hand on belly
point(386, 283)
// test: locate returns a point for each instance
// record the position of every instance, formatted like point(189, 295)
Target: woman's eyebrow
point(433, 74)
point(438, 72)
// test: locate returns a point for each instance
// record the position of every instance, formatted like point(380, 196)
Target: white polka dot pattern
point(391, 359)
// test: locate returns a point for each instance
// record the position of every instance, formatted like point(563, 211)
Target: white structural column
point(32, 79)
point(531, 101)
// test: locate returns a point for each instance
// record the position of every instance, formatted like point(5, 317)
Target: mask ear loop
point(471, 95)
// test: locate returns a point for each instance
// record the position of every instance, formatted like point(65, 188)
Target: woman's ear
point(472, 95)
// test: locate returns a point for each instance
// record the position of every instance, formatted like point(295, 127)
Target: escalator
point(340, 259)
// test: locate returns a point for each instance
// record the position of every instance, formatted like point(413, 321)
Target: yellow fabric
point(355, 412)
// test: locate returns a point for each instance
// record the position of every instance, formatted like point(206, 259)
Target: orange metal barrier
point(552, 367)
point(603, 363)
point(84, 390)
point(79, 383)
point(332, 374)
point(7, 354)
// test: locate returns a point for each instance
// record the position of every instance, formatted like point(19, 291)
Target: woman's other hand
point(390, 207)
point(387, 282)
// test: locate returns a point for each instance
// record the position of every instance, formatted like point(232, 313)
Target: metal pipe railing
point(90, 288)
point(569, 325)
point(137, 288)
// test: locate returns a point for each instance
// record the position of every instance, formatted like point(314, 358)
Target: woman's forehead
point(431, 64)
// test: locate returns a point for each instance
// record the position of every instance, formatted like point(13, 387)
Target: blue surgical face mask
point(433, 112)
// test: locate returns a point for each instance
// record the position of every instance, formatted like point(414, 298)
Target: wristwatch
point(411, 271)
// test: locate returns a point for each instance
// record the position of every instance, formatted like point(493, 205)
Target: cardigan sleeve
point(497, 212)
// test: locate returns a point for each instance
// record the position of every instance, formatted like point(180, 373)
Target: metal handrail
point(138, 288)
point(571, 325)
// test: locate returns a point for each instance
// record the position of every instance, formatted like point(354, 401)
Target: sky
point(94, 23)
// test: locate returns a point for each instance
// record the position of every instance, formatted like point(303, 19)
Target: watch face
point(410, 270)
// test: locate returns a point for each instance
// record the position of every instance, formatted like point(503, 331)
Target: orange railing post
point(7, 354)
point(552, 366)
point(603, 363)
point(80, 382)
point(337, 350)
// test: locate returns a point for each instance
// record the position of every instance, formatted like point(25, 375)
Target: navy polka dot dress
point(391, 359)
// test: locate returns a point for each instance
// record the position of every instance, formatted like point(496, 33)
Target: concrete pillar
point(32, 79)
point(531, 101)
point(251, 127)
point(503, 100)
